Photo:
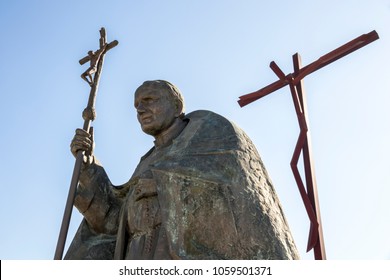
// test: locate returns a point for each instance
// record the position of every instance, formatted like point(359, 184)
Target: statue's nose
point(140, 108)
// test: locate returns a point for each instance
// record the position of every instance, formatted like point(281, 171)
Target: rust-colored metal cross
point(295, 82)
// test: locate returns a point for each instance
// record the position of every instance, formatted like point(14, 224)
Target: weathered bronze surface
point(202, 192)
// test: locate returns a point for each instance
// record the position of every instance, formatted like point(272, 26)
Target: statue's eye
point(146, 101)
point(150, 100)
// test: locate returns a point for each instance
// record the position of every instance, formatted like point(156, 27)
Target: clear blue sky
point(214, 51)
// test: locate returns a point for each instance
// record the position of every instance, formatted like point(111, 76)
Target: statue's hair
point(166, 87)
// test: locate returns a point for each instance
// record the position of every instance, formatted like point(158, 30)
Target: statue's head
point(158, 103)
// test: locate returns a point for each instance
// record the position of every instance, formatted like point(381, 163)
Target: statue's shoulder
point(207, 129)
point(209, 119)
point(206, 116)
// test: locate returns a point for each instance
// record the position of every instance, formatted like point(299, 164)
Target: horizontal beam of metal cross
point(330, 57)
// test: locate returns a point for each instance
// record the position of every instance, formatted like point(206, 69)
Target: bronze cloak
point(216, 199)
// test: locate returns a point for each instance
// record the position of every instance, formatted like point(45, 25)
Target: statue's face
point(156, 111)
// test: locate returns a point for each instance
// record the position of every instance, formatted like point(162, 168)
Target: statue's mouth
point(146, 119)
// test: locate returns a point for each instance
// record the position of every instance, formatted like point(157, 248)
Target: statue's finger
point(80, 145)
point(82, 132)
point(82, 138)
point(84, 145)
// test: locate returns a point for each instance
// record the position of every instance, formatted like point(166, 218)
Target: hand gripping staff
point(92, 76)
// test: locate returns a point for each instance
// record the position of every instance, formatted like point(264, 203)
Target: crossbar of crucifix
point(295, 82)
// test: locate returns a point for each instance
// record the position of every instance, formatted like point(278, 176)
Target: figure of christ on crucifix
point(94, 58)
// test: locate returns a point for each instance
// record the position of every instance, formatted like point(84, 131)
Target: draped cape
point(216, 200)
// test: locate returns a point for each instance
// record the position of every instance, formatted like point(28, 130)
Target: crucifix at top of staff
point(92, 77)
point(295, 82)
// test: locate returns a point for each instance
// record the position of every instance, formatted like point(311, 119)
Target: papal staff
point(92, 76)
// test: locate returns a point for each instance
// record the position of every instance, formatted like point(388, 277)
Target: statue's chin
point(149, 130)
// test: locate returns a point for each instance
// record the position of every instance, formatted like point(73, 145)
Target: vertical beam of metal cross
point(316, 233)
point(308, 193)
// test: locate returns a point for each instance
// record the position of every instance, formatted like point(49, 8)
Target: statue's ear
point(179, 109)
